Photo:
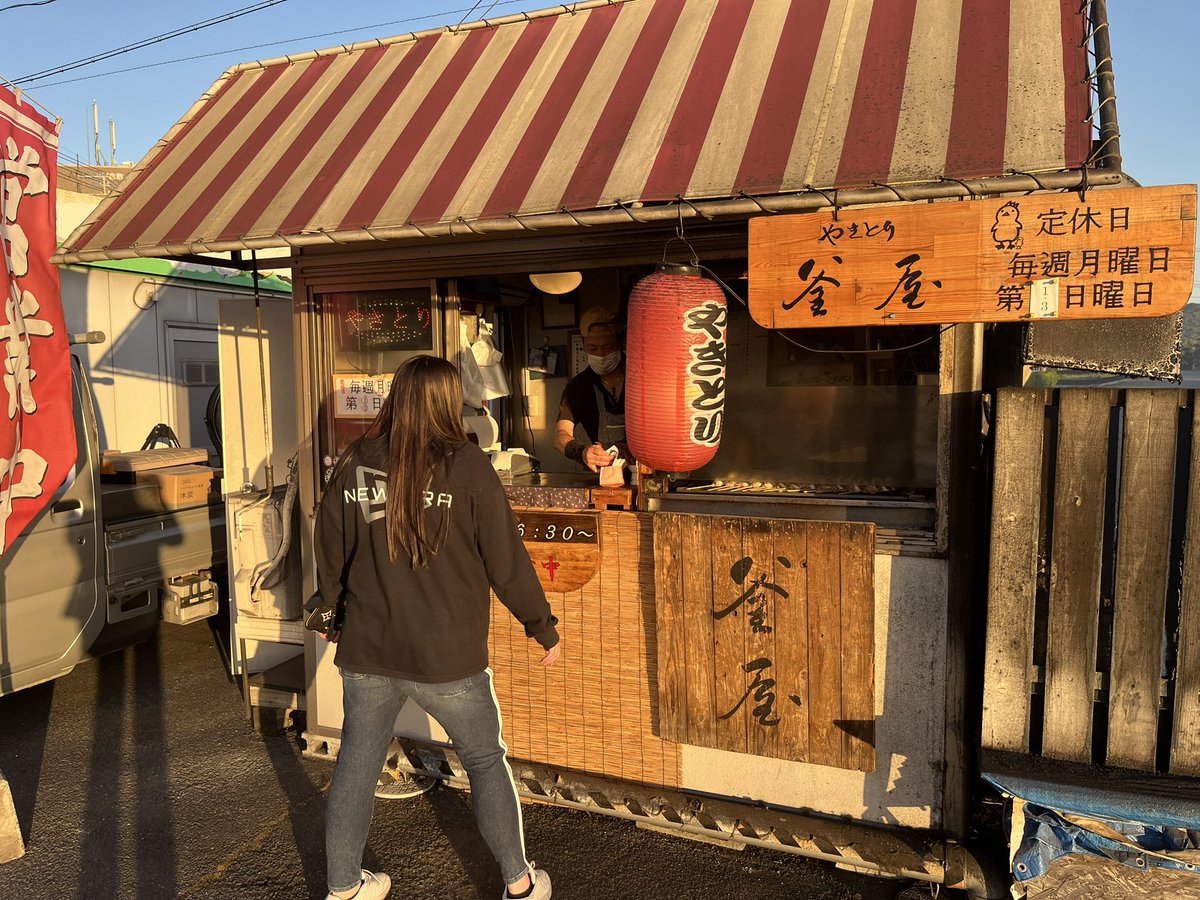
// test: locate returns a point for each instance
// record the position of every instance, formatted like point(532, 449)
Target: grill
point(903, 517)
point(841, 492)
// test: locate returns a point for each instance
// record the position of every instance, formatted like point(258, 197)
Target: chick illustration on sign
point(1006, 231)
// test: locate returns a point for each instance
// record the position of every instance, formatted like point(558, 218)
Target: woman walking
point(412, 532)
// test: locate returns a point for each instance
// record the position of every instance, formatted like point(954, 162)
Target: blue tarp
point(1145, 800)
point(1143, 826)
point(1047, 836)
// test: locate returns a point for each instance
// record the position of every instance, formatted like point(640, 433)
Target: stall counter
point(604, 711)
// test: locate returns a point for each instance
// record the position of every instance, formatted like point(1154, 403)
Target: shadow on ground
point(136, 776)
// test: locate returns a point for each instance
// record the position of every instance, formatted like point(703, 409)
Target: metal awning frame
point(679, 210)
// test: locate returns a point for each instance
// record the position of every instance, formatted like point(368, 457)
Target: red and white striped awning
point(613, 102)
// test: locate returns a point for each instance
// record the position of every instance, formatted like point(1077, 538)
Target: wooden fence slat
point(698, 627)
point(1185, 745)
point(824, 644)
point(858, 645)
point(758, 623)
point(668, 586)
point(1012, 574)
point(729, 637)
point(1143, 558)
point(1080, 480)
point(791, 655)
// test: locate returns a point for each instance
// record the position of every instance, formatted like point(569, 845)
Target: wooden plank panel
point(824, 644)
point(1012, 574)
point(1081, 475)
point(729, 636)
point(791, 654)
point(765, 704)
point(668, 584)
point(1143, 559)
point(858, 646)
point(698, 630)
point(1185, 742)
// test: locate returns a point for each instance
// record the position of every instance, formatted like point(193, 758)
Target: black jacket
point(428, 624)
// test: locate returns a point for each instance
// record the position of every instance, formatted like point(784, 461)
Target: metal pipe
point(1110, 132)
point(182, 284)
point(979, 876)
point(266, 411)
point(740, 207)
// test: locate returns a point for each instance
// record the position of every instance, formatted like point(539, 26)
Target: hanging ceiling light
point(557, 282)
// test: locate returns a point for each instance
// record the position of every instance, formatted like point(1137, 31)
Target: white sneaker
point(399, 785)
point(541, 885)
point(374, 886)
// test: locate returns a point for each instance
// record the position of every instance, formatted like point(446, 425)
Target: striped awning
point(601, 105)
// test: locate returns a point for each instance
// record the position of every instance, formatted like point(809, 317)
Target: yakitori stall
point(778, 645)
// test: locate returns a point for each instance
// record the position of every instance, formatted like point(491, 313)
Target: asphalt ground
point(136, 776)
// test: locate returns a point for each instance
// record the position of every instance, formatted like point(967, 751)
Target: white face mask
point(602, 365)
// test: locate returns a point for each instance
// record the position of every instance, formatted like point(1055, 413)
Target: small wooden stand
point(610, 497)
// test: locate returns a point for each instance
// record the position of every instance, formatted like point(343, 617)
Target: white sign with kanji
point(359, 396)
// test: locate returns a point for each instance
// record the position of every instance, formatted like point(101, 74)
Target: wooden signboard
point(564, 547)
point(766, 637)
point(1124, 253)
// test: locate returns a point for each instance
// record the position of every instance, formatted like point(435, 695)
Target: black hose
point(212, 422)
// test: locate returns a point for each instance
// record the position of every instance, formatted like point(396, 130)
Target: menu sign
point(564, 547)
point(1108, 254)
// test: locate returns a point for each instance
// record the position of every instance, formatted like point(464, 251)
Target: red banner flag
point(37, 429)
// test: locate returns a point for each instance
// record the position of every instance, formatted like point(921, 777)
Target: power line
point(308, 37)
point(30, 3)
point(146, 42)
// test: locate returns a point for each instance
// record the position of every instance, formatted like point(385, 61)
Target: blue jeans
point(468, 711)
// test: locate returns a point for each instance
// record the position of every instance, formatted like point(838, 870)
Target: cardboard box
point(180, 486)
point(141, 460)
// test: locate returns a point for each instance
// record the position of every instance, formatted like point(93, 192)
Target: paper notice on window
point(1043, 299)
point(359, 396)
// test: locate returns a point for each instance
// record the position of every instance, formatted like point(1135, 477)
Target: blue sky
point(1153, 49)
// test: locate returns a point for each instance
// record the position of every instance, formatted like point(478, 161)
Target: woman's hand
point(553, 654)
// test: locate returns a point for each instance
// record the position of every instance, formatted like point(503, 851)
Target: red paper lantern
point(675, 369)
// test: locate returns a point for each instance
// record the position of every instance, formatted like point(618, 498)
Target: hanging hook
point(680, 236)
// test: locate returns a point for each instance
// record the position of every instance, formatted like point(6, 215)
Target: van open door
point(51, 578)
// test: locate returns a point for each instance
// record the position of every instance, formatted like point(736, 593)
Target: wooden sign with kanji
point(766, 637)
point(1109, 254)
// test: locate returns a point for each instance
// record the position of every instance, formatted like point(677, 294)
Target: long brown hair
point(421, 419)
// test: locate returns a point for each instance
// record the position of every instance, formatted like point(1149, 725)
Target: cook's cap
point(599, 320)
